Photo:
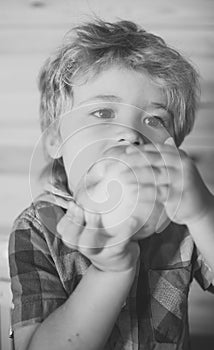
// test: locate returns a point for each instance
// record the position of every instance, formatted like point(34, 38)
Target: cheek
point(79, 154)
point(156, 135)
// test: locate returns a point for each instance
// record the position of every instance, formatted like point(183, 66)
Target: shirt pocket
point(169, 294)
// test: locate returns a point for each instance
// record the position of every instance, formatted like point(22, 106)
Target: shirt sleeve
point(203, 273)
point(36, 287)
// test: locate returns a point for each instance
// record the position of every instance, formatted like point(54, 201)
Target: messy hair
point(92, 47)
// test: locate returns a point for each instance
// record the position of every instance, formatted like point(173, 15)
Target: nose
point(134, 142)
point(130, 130)
point(130, 136)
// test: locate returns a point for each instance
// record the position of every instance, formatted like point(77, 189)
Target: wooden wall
point(30, 30)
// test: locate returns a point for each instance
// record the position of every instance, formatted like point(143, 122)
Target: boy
point(113, 88)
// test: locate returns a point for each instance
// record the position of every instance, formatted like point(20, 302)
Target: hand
point(178, 183)
point(121, 179)
point(106, 252)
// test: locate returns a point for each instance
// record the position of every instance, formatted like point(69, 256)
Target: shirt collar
point(57, 195)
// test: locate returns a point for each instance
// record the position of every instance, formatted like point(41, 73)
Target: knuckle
point(60, 226)
point(92, 220)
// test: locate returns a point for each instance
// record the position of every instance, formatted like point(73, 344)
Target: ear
point(53, 145)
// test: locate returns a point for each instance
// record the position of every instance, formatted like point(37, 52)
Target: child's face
point(118, 104)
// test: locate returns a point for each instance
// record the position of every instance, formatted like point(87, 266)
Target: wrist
point(118, 269)
point(123, 261)
point(127, 274)
point(201, 219)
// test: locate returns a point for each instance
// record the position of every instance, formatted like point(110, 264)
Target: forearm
point(202, 232)
point(86, 319)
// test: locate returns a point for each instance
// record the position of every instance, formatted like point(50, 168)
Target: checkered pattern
point(44, 273)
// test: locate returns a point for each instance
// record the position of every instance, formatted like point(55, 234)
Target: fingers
point(151, 183)
point(117, 239)
point(71, 224)
point(159, 163)
point(93, 235)
point(151, 193)
point(149, 154)
point(154, 158)
point(154, 155)
point(162, 193)
point(80, 230)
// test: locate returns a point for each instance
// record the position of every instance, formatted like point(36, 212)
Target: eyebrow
point(162, 106)
point(114, 98)
point(159, 105)
point(106, 98)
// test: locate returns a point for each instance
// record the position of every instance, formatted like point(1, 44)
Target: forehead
point(121, 85)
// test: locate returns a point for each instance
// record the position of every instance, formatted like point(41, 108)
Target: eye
point(104, 113)
point(154, 121)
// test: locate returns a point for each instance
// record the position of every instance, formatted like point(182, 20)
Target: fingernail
point(170, 141)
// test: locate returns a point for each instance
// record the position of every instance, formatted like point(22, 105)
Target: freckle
point(77, 334)
point(69, 339)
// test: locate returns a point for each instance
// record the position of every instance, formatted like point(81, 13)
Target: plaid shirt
point(44, 273)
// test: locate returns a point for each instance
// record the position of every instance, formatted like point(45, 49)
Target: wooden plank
point(207, 92)
point(17, 192)
point(204, 121)
point(203, 130)
point(165, 12)
point(21, 160)
point(25, 137)
point(19, 73)
point(19, 109)
point(31, 41)
point(4, 270)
